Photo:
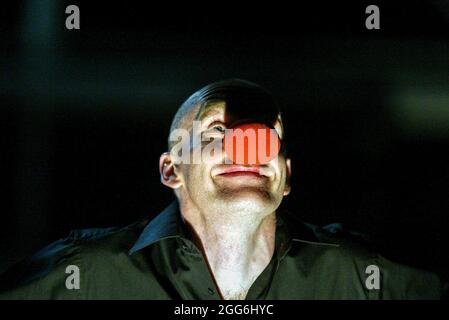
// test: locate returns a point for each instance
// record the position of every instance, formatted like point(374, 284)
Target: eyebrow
point(208, 108)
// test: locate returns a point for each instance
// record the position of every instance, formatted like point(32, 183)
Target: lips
point(235, 171)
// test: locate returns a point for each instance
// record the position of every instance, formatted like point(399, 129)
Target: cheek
point(196, 176)
point(280, 168)
point(212, 152)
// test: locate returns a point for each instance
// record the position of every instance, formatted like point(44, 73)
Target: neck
point(237, 248)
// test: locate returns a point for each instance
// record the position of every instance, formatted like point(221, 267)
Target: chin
point(246, 202)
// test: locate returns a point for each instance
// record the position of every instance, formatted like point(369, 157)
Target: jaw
point(232, 198)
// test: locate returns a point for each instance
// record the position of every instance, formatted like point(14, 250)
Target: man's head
point(214, 185)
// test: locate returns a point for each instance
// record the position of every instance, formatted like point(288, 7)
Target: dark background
point(84, 114)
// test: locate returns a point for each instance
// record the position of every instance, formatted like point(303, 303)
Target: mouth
point(238, 171)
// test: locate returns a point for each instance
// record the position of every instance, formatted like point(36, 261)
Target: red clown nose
point(251, 144)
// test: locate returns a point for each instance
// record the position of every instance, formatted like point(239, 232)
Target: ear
point(288, 169)
point(167, 171)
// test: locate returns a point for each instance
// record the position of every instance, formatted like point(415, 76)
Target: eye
point(219, 127)
point(215, 130)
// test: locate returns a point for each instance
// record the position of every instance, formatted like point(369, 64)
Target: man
point(224, 237)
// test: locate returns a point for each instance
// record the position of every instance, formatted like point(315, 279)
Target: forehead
point(217, 111)
point(212, 109)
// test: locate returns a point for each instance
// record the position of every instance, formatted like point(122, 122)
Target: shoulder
point(49, 267)
point(352, 255)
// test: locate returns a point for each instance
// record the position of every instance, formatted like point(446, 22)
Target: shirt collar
point(169, 224)
point(165, 225)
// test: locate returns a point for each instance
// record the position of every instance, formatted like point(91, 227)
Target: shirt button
point(211, 291)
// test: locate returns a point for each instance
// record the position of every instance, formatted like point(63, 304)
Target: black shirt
point(156, 260)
